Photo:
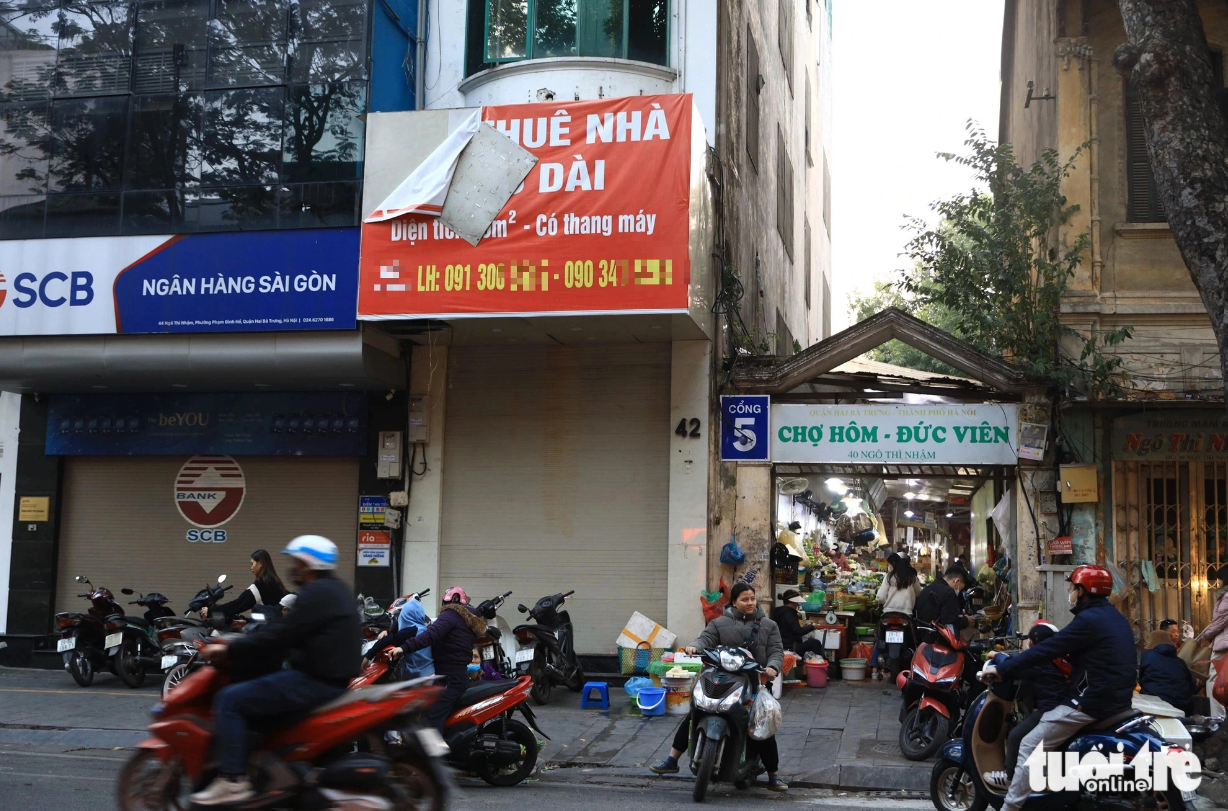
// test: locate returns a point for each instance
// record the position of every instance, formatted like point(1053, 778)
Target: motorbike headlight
point(731, 661)
point(947, 681)
point(730, 701)
point(704, 702)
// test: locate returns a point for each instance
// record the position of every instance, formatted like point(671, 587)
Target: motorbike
point(178, 635)
point(302, 762)
point(720, 720)
point(371, 633)
point(956, 783)
point(498, 646)
point(547, 649)
point(896, 641)
point(84, 640)
point(937, 689)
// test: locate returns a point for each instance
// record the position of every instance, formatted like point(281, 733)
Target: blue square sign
point(745, 422)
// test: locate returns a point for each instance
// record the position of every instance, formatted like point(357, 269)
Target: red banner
point(600, 224)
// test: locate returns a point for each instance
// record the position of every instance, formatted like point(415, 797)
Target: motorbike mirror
point(126, 591)
point(521, 608)
point(221, 578)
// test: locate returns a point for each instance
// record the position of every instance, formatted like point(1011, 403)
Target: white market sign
point(959, 434)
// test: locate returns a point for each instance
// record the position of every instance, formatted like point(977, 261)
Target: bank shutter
point(556, 477)
point(120, 526)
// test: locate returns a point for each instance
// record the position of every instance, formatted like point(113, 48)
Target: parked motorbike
point(937, 689)
point(178, 636)
point(956, 783)
point(896, 641)
point(84, 640)
point(720, 720)
point(498, 645)
point(301, 763)
point(371, 634)
point(547, 649)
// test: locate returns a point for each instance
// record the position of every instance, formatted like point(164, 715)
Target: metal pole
point(420, 58)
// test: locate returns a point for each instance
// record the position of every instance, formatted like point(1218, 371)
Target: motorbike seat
point(1112, 722)
point(134, 620)
point(484, 691)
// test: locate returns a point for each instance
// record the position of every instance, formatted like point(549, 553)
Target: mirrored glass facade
point(172, 116)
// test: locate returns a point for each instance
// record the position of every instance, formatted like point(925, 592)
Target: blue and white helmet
point(318, 552)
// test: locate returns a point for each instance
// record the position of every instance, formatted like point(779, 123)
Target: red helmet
point(1095, 579)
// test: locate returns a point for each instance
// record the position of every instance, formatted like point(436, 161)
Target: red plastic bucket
point(816, 674)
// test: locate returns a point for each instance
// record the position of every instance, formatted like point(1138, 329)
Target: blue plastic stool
point(603, 691)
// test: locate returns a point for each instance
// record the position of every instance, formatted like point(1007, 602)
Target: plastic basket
point(660, 668)
point(633, 661)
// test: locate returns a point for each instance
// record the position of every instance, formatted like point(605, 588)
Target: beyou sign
point(955, 434)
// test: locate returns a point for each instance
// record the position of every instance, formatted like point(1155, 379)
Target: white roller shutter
point(120, 526)
point(556, 477)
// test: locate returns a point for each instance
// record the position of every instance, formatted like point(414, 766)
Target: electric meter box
point(389, 464)
point(419, 424)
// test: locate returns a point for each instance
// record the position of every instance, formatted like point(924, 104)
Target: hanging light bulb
point(909, 513)
point(837, 486)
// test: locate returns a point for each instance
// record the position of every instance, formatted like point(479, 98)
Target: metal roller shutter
point(556, 477)
point(120, 526)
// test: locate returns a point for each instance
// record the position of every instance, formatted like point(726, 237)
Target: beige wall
point(121, 528)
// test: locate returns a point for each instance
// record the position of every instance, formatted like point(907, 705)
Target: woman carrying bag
point(1216, 635)
point(737, 628)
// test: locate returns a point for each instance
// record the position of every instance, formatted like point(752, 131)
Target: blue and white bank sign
point(228, 282)
point(745, 427)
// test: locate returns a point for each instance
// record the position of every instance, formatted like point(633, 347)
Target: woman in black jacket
point(267, 590)
point(791, 628)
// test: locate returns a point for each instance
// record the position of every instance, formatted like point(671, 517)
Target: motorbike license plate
point(65, 644)
point(488, 652)
point(895, 636)
point(1189, 796)
point(169, 662)
point(524, 655)
point(113, 641)
point(432, 743)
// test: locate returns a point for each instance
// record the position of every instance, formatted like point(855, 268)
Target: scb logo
point(54, 289)
point(207, 535)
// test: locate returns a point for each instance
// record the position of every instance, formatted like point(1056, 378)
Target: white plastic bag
point(765, 715)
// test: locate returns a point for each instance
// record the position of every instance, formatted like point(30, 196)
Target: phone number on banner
point(530, 277)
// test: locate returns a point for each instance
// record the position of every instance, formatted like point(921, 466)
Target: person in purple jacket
point(450, 638)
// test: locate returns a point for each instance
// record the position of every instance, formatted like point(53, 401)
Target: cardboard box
point(640, 629)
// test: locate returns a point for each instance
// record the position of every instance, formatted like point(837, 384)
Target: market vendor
point(792, 632)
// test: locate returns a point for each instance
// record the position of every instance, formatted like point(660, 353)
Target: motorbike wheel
point(542, 686)
point(415, 788)
point(948, 795)
point(922, 733)
point(145, 785)
point(82, 669)
point(128, 666)
point(173, 676)
point(576, 682)
point(707, 765)
point(511, 775)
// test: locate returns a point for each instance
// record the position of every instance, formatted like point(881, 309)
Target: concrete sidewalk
point(842, 736)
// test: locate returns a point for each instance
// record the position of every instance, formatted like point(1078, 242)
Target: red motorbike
point(303, 761)
point(937, 689)
point(483, 735)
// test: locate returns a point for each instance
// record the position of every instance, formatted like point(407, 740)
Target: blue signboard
point(272, 424)
point(233, 282)
point(745, 422)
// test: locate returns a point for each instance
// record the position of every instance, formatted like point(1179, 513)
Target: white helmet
point(288, 600)
point(318, 552)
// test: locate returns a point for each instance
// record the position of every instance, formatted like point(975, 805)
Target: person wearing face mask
point(1100, 644)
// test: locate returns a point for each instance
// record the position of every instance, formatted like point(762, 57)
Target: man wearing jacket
point(1101, 649)
point(1163, 675)
point(450, 638)
point(321, 636)
point(939, 603)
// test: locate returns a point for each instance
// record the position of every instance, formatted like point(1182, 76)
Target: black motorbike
point(84, 639)
point(178, 635)
point(547, 649)
point(491, 644)
point(720, 720)
point(895, 640)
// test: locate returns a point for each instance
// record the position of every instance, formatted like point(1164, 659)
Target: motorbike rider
point(1049, 682)
point(322, 636)
point(742, 625)
point(1163, 674)
point(267, 590)
point(939, 601)
point(1100, 644)
point(410, 622)
point(450, 638)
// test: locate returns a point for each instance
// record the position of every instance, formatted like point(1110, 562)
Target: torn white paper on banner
point(489, 171)
point(426, 188)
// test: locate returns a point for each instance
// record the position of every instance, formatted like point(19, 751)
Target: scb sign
point(745, 428)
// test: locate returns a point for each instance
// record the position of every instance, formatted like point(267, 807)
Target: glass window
point(28, 40)
point(323, 135)
point(507, 30)
point(600, 28)
point(238, 208)
point(248, 39)
point(155, 212)
point(313, 205)
point(164, 142)
point(21, 217)
point(24, 148)
point(242, 136)
point(554, 28)
point(171, 45)
point(95, 49)
point(648, 31)
point(87, 143)
point(82, 215)
point(329, 41)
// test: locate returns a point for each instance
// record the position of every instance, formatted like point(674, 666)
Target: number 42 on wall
point(688, 428)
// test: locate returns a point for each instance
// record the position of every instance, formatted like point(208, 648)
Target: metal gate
point(1170, 535)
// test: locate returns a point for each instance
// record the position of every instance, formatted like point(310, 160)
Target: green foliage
point(898, 353)
point(995, 267)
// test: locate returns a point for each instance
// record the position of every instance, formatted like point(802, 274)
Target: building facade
point(1157, 449)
